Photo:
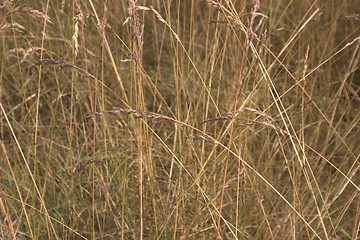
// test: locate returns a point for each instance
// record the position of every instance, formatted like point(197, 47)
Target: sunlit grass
point(189, 120)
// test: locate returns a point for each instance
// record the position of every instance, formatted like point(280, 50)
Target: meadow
point(188, 119)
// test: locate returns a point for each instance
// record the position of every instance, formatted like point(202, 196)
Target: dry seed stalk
point(230, 17)
point(50, 61)
point(138, 30)
point(138, 114)
point(251, 30)
point(6, 3)
point(26, 52)
point(35, 12)
point(13, 26)
point(76, 34)
point(79, 18)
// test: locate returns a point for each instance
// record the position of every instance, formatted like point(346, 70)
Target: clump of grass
point(182, 120)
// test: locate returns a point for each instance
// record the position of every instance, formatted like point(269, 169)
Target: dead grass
point(190, 120)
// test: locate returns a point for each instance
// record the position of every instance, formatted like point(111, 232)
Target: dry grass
point(190, 120)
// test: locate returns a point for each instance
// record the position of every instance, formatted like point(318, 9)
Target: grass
point(182, 120)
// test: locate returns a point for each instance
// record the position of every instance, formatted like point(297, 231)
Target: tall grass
point(179, 119)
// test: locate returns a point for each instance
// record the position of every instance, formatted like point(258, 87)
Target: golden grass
point(191, 120)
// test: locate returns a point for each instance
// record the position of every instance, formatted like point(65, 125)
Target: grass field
point(185, 119)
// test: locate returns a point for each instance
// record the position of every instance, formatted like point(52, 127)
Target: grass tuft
point(179, 119)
